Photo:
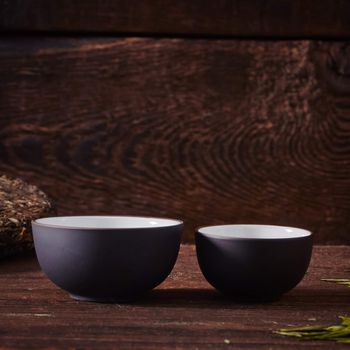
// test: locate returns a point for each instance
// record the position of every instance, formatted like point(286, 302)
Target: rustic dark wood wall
point(241, 18)
point(208, 130)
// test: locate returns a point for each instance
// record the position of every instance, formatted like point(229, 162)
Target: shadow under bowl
point(106, 258)
point(253, 262)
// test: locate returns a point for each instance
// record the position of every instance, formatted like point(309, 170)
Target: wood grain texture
point(183, 313)
point(210, 131)
point(240, 18)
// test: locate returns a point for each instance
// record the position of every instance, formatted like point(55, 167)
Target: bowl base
point(109, 300)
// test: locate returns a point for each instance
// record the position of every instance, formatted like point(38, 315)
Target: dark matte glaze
point(256, 269)
point(106, 265)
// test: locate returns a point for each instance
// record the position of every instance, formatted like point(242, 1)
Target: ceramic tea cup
point(253, 262)
point(106, 258)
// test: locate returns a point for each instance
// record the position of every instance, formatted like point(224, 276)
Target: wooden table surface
point(183, 313)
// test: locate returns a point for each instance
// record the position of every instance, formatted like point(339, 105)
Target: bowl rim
point(308, 233)
point(177, 222)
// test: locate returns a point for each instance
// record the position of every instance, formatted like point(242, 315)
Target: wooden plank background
point(268, 18)
point(210, 131)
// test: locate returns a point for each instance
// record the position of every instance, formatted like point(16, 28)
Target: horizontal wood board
point(240, 18)
point(183, 313)
point(209, 131)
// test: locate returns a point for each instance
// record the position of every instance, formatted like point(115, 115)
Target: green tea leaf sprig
point(342, 281)
point(339, 333)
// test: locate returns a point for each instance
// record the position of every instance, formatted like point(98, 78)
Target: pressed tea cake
point(20, 203)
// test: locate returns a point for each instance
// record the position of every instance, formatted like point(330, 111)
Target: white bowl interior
point(253, 232)
point(106, 222)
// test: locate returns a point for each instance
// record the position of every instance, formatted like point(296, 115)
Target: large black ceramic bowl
point(106, 258)
point(253, 262)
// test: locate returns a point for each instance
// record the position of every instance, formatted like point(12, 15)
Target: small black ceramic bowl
point(106, 258)
point(253, 262)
